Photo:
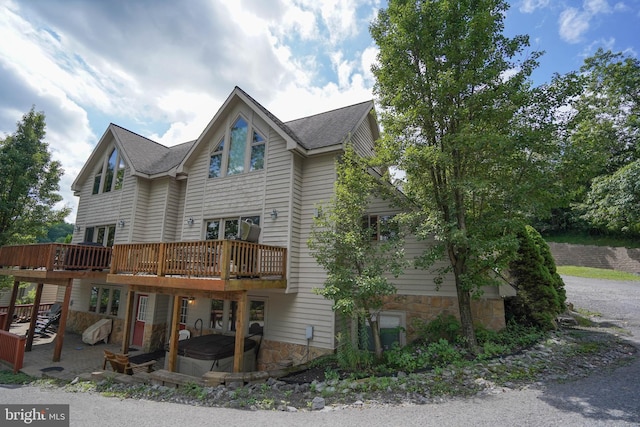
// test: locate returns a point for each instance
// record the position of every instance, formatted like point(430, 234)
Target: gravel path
point(607, 398)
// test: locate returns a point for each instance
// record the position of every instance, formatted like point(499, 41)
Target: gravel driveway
point(604, 399)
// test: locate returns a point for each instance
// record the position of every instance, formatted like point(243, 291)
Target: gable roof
point(331, 127)
point(148, 158)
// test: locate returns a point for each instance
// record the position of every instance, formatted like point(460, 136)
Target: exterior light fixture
point(190, 221)
point(121, 223)
point(274, 214)
point(78, 228)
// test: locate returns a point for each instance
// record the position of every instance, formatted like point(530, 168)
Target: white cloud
point(529, 6)
point(573, 24)
point(595, 7)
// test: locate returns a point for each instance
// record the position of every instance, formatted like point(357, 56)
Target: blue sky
point(162, 68)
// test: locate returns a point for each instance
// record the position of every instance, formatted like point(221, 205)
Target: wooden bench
point(120, 363)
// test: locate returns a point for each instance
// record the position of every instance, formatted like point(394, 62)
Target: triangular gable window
point(245, 151)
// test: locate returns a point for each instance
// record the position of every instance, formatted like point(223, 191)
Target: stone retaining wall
point(622, 259)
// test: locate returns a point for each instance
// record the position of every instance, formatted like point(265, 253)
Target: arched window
point(111, 174)
point(245, 151)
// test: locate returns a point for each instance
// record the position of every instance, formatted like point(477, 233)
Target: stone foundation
point(486, 312)
point(153, 336)
point(79, 321)
point(277, 355)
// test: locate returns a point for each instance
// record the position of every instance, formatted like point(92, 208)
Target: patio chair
point(120, 363)
point(49, 319)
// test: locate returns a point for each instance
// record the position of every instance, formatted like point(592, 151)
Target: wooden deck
point(209, 265)
point(225, 269)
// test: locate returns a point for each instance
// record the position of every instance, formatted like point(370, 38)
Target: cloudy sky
point(162, 68)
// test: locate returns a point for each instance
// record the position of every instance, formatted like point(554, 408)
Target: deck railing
point(56, 256)
point(208, 258)
point(12, 349)
point(22, 312)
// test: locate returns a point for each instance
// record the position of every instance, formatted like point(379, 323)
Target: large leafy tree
point(29, 181)
point(474, 139)
point(612, 205)
point(602, 134)
point(359, 268)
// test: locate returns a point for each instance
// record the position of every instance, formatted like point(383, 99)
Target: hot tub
point(205, 353)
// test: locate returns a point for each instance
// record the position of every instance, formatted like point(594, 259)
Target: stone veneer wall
point(622, 259)
point(487, 312)
point(154, 335)
point(277, 355)
point(78, 321)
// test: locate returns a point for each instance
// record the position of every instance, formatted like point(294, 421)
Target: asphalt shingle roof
point(312, 132)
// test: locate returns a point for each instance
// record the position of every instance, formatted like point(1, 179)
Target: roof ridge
point(332, 111)
point(137, 134)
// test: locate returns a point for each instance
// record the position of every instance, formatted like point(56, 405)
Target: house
point(171, 215)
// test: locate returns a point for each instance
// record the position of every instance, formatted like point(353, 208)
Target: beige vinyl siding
point(141, 201)
point(295, 224)
point(362, 139)
point(175, 210)
point(155, 210)
point(104, 208)
point(419, 281)
point(277, 192)
point(305, 308)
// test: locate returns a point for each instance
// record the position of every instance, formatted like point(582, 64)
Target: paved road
point(601, 400)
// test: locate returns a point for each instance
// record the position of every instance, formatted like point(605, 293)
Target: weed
point(8, 377)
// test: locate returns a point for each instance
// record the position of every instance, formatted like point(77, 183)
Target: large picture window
point(244, 152)
point(111, 174)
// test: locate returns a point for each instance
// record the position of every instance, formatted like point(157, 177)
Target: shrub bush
point(541, 295)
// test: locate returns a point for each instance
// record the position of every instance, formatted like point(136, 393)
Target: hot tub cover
point(211, 347)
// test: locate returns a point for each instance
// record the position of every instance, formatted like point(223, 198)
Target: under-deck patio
point(224, 269)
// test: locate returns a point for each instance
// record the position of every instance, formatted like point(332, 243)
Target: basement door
point(141, 316)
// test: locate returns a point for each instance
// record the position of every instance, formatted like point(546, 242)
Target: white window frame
point(225, 139)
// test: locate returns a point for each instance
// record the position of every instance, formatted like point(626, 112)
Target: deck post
point(173, 340)
point(57, 351)
point(161, 260)
point(238, 354)
point(128, 321)
point(12, 305)
point(225, 263)
point(34, 316)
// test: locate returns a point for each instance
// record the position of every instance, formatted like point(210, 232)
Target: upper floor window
point(382, 227)
point(245, 151)
point(111, 174)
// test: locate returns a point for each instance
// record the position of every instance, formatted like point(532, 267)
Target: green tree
point(29, 181)
point(59, 233)
point(541, 295)
point(604, 124)
point(612, 205)
point(358, 266)
point(476, 142)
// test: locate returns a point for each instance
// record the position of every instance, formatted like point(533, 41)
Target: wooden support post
point(173, 340)
point(225, 262)
point(238, 356)
point(57, 351)
point(128, 321)
point(34, 316)
point(12, 305)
